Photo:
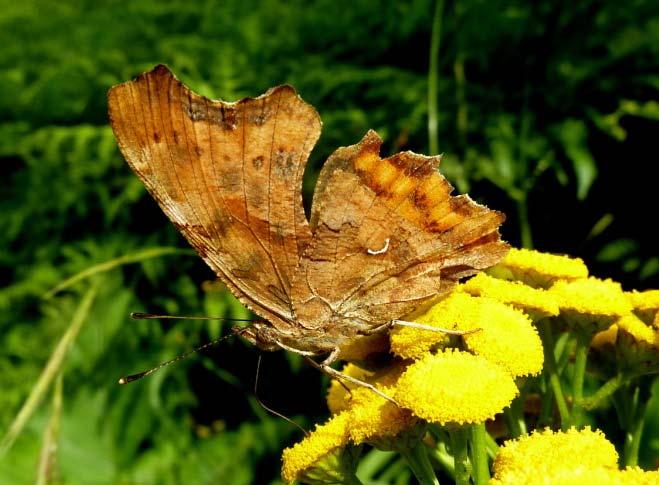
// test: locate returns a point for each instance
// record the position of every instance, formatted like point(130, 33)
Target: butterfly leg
point(403, 323)
point(325, 367)
point(379, 328)
point(430, 328)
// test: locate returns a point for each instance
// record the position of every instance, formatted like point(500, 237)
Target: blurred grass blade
point(51, 370)
point(115, 263)
point(433, 77)
point(46, 468)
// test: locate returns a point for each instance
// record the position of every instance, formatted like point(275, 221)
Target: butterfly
point(385, 235)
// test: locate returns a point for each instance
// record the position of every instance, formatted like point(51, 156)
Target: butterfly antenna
point(154, 316)
point(269, 409)
point(135, 377)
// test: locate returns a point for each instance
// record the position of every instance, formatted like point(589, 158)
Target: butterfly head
point(263, 335)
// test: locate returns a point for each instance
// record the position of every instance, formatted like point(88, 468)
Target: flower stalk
point(579, 372)
point(478, 454)
point(416, 457)
point(460, 453)
point(552, 372)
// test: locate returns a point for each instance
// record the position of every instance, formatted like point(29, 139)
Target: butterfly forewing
point(228, 175)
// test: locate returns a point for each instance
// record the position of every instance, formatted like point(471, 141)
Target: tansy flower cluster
point(478, 360)
point(570, 457)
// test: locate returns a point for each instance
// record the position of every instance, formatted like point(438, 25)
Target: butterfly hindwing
point(388, 236)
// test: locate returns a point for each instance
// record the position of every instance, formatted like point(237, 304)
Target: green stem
point(351, 480)
point(525, 234)
point(433, 78)
point(544, 419)
point(462, 464)
point(604, 392)
point(444, 459)
point(478, 448)
point(461, 119)
point(580, 359)
point(417, 459)
point(544, 326)
point(51, 370)
point(492, 447)
point(514, 417)
point(635, 431)
point(130, 258)
point(46, 468)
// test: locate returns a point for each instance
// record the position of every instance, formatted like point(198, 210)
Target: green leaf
point(574, 137)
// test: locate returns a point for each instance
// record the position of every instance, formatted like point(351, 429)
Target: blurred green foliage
point(546, 110)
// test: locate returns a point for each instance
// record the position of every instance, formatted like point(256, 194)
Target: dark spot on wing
point(413, 165)
point(228, 117)
point(258, 162)
point(284, 163)
point(194, 108)
point(196, 229)
point(420, 199)
point(258, 115)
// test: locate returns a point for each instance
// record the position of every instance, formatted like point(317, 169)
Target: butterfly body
point(384, 237)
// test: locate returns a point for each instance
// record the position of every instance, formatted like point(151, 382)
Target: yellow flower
point(634, 475)
point(645, 303)
point(506, 336)
point(579, 476)
point(364, 347)
point(606, 339)
point(565, 458)
point(546, 452)
point(590, 304)
point(338, 397)
point(630, 344)
point(537, 303)
point(322, 442)
point(372, 417)
point(455, 387)
point(409, 342)
point(538, 269)
point(636, 329)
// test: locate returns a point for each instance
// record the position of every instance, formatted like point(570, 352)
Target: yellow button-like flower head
point(565, 458)
point(543, 453)
point(361, 349)
point(413, 343)
point(455, 387)
point(505, 335)
point(579, 476)
point(373, 418)
point(537, 269)
point(590, 305)
point(537, 303)
point(630, 342)
point(338, 397)
point(308, 454)
point(645, 303)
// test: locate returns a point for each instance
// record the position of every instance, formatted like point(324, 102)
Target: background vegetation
point(546, 110)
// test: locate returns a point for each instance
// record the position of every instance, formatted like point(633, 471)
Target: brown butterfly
point(385, 235)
